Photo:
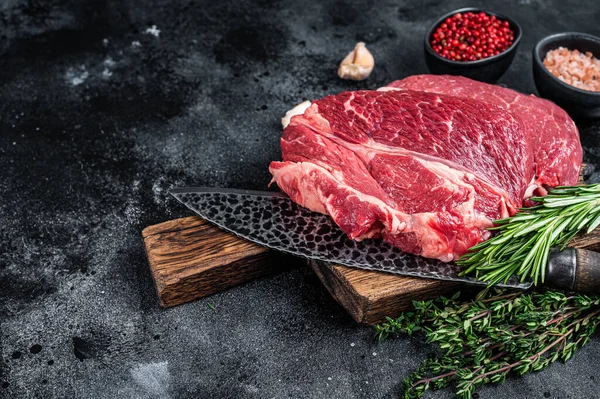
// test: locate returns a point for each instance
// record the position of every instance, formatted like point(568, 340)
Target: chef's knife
point(273, 220)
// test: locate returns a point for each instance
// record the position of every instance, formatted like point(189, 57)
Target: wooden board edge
point(171, 226)
point(182, 287)
point(339, 289)
point(157, 282)
point(251, 268)
point(392, 306)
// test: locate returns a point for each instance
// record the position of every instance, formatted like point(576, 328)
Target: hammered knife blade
point(273, 220)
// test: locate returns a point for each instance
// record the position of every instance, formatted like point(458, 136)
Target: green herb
point(485, 339)
point(211, 306)
point(522, 244)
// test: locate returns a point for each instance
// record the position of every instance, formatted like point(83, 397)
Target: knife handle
point(574, 270)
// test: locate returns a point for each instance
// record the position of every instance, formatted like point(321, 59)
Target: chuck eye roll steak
point(428, 162)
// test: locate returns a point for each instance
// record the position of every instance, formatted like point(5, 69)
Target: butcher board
point(190, 258)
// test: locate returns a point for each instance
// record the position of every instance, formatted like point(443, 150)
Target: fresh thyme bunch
point(484, 339)
point(522, 242)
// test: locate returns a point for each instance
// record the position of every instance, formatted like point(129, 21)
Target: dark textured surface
point(99, 119)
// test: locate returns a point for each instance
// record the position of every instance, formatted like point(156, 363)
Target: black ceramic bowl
point(486, 70)
point(577, 102)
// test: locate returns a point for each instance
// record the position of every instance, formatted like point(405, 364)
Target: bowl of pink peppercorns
point(471, 42)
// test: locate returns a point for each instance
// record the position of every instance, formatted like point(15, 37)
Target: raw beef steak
point(553, 134)
point(427, 172)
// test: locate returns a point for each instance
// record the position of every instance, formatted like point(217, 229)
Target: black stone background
point(99, 119)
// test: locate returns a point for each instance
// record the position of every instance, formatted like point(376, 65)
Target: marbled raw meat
point(423, 165)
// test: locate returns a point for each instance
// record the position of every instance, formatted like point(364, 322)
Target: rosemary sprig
point(485, 339)
point(522, 242)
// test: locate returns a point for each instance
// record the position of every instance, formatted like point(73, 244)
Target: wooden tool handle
point(575, 270)
point(587, 276)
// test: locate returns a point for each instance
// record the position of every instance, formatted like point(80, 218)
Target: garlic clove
point(297, 110)
point(358, 64)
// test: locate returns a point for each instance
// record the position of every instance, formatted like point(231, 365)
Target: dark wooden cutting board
point(190, 258)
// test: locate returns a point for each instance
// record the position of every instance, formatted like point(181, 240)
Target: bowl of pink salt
point(566, 70)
